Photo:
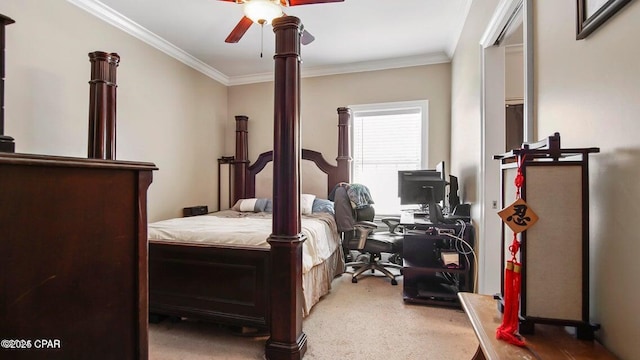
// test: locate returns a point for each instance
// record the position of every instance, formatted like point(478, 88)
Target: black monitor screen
point(413, 184)
point(454, 198)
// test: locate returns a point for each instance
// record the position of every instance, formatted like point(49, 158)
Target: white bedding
point(249, 229)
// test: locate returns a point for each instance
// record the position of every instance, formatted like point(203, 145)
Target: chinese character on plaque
point(518, 216)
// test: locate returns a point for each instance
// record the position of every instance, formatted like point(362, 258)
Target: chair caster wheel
point(354, 280)
point(394, 282)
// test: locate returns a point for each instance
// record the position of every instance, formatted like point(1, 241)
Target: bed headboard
point(318, 176)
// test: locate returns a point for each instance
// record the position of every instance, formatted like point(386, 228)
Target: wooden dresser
point(73, 257)
point(547, 341)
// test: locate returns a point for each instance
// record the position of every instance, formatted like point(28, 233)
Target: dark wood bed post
point(6, 142)
point(241, 161)
point(287, 341)
point(102, 105)
point(343, 160)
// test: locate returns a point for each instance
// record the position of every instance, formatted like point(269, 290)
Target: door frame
point(507, 13)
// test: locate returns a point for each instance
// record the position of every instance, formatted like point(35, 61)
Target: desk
point(548, 342)
point(427, 279)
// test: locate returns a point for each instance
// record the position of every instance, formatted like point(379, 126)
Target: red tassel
point(506, 312)
point(516, 298)
point(508, 330)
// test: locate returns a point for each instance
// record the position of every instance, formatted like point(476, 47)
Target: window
point(387, 138)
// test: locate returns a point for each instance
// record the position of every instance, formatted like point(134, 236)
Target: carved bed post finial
point(102, 105)
point(343, 159)
point(6, 142)
point(287, 341)
point(241, 161)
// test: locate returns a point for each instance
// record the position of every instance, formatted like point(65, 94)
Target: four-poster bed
point(276, 295)
point(273, 297)
point(193, 280)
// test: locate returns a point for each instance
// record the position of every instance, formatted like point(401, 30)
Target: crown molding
point(250, 79)
point(103, 12)
point(408, 61)
point(375, 65)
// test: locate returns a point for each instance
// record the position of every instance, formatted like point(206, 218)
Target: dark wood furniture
point(6, 142)
point(74, 256)
point(229, 284)
point(426, 279)
point(548, 342)
point(555, 250)
point(195, 210)
point(224, 165)
point(102, 105)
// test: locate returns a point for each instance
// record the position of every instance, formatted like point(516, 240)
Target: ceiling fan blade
point(238, 31)
point(308, 2)
point(306, 38)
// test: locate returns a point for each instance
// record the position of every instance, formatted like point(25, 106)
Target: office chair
point(369, 246)
point(396, 230)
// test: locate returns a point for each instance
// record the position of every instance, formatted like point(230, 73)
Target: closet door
point(514, 126)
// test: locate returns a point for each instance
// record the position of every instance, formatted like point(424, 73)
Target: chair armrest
point(369, 225)
point(364, 229)
point(392, 223)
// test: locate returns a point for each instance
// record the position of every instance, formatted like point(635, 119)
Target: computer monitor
point(412, 185)
point(454, 198)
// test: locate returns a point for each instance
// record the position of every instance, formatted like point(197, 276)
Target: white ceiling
point(354, 35)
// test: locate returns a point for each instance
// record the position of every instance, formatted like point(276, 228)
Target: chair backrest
point(349, 219)
point(367, 213)
point(343, 211)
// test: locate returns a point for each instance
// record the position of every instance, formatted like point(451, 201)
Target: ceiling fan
point(263, 12)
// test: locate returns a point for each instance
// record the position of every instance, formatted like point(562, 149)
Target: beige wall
point(587, 90)
point(465, 100)
point(321, 96)
point(167, 113)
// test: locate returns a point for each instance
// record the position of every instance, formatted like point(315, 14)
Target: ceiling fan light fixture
point(262, 11)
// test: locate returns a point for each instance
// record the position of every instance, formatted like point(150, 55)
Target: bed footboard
point(220, 284)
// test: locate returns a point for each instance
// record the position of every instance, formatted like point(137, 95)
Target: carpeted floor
point(367, 320)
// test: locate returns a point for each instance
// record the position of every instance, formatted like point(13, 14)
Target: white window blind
point(387, 139)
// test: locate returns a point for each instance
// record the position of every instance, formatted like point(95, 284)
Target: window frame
point(386, 107)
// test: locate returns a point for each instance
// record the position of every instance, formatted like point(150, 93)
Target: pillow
point(306, 203)
point(323, 206)
point(269, 207)
point(250, 205)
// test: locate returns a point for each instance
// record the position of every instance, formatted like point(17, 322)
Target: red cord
point(508, 330)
